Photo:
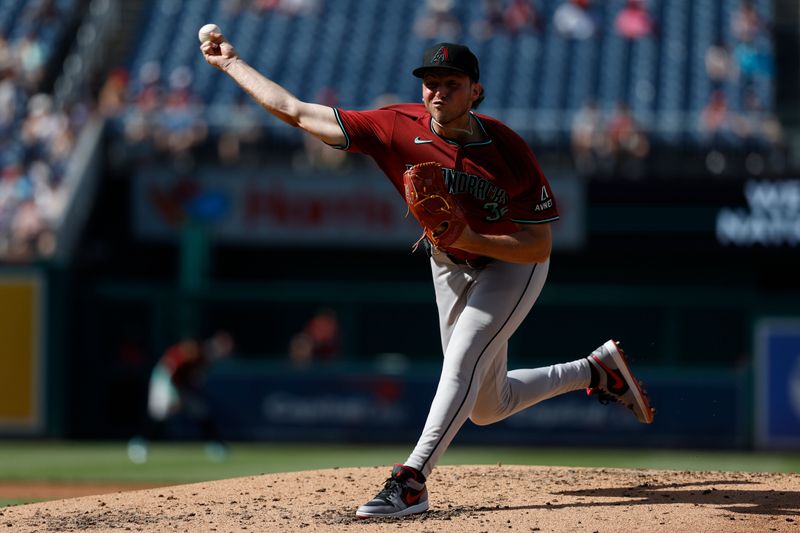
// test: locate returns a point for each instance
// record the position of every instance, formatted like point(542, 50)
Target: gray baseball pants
point(479, 310)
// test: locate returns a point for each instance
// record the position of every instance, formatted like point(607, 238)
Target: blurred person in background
point(318, 341)
point(240, 135)
point(634, 21)
point(178, 387)
point(752, 53)
point(21, 224)
point(60, 148)
point(30, 235)
point(11, 98)
point(491, 21)
point(50, 202)
point(42, 124)
point(754, 62)
point(289, 7)
point(149, 95)
point(301, 7)
point(717, 122)
point(716, 127)
point(146, 97)
point(31, 56)
point(437, 20)
point(488, 279)
point(112, 97)
point(522, 16)
point(235, 7)
point(6, 55)
point(517, 16)
point(761, 134)
point(180, 126)
point(719, 64)
point(573, 20)
point(588, 139)
point(628, 142)
point(36, 205)
point(745, 23)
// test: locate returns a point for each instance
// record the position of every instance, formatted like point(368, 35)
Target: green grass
point(178, 463)
point(14, 501)
point(187, 462)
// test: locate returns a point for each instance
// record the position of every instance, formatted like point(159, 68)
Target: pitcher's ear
point(478, 94)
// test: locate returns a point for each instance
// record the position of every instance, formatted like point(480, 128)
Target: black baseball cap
point(449, 56)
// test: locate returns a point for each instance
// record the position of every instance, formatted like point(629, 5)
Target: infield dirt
point(463, 499)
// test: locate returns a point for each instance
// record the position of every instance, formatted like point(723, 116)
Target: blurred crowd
point(160, 116)
point(573, 19)
point(36, 137)
point(289, 7)
point(735, 72)
point(612, 146)
point(610, 141)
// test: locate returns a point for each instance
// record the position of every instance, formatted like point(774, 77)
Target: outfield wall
point(681, 271)
point(23, 364)
point(694, 409)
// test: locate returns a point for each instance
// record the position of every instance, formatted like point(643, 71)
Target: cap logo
point(441, 55)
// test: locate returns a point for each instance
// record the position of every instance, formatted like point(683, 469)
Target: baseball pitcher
point(485, 208)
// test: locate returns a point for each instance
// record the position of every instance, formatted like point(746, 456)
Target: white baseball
point(205, 32)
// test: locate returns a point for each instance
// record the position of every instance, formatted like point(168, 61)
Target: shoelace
point(391, 487)
point(605, 398)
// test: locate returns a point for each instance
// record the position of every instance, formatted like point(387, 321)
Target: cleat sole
point(638, 393)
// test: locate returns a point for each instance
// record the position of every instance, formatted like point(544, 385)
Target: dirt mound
point(463, 498)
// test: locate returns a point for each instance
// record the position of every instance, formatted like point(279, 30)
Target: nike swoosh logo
point(619, 383)
point(412, 499)
point(417, 140)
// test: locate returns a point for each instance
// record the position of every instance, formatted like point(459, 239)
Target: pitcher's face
point(448, 95)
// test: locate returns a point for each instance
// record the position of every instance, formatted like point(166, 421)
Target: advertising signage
point(753, 220)
point(771, 217)
point(739, 216)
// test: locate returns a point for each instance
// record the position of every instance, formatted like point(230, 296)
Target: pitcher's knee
point(482, 418)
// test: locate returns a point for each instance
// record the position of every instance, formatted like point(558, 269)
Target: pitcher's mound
point(463, 498)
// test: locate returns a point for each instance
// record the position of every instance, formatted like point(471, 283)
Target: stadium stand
point(536, 80)
point(36, 136)
point(353, 53)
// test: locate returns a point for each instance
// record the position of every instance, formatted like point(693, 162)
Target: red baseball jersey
point(498, 182)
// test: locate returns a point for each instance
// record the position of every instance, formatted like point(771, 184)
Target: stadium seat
point(360, 50)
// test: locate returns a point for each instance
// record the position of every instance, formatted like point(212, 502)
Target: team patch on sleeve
point(543, 211)
point(545, 203)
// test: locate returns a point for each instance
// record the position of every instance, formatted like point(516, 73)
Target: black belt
point(478, 262)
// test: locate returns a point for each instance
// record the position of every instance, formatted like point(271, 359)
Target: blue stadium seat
point(156, 36)
point(329, 50)
point(366, 48)
point(672, 71)
point(585, 59)
point(554, 63)
point(525, 72)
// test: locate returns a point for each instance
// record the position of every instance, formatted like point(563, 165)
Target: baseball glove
point(432, 205)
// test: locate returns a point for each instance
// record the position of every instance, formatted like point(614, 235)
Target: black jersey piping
point(475, 367)
point(526, 221)
point(346, 144)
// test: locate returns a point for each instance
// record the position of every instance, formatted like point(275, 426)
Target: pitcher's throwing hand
point(217, 51)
